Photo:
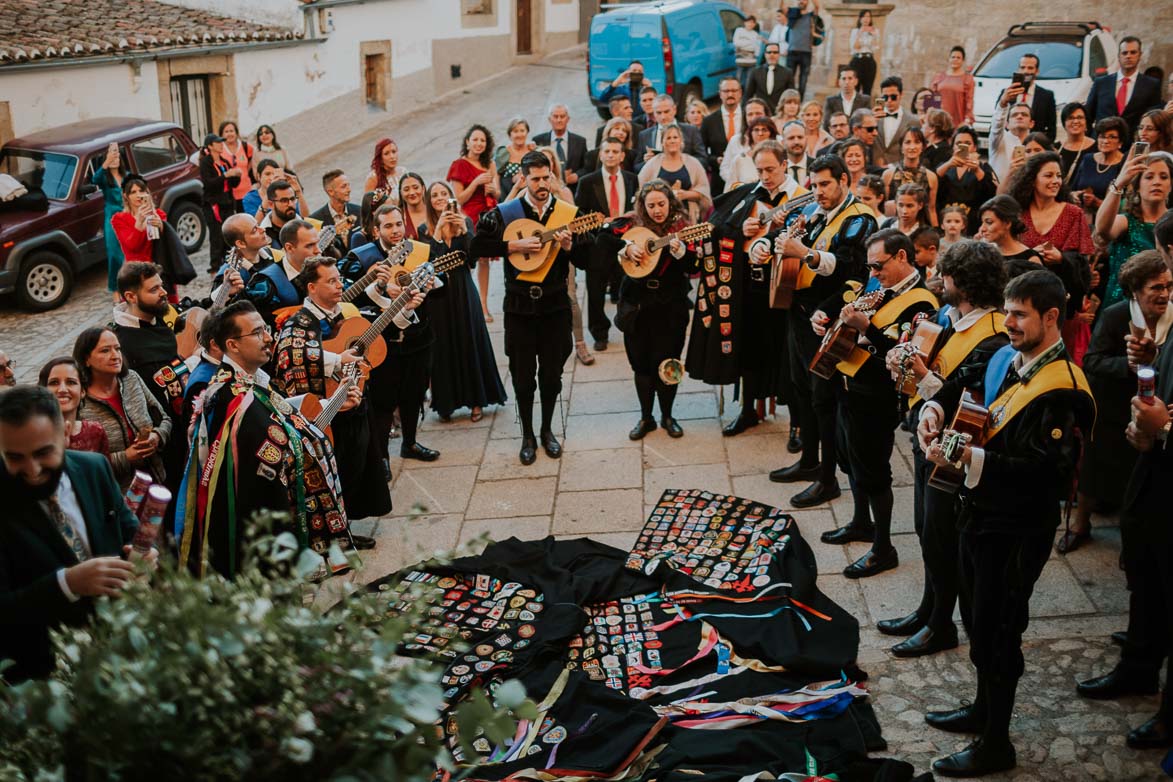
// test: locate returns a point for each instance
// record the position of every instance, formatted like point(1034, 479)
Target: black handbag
point(169, 254)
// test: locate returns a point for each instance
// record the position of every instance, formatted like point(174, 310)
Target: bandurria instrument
point(188, 341)
point(784, 276)
point(654, 245)
point(922, 340)
point(840, 338)
point(524, 228)
point(968, 428)
point(785, 208)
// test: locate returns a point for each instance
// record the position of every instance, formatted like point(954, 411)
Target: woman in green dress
point(1142, 186)
point(108, 178)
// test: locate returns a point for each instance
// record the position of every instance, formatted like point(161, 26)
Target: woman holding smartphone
point(1095, 172)
point(965, 179)
point(108, 178)
point(1147, 179)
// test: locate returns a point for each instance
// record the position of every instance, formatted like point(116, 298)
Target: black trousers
point(865, 69)
point(598, 275)
point(936, 525)
point(537, 346)
point(1147, 552)
point(216, 247)
point(813, 397)
point(866, 428)
point(401, 381)
point(360, 464)
point(998, 573)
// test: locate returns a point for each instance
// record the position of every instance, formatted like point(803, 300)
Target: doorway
point(191, 106)
point(524, 27)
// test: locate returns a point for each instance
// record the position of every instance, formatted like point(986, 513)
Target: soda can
point(1146, 383)
point(137, 491)
point(150, 520)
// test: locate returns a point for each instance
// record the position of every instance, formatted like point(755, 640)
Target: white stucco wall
point(561, 17)
point(41, 99)
point(283, 13)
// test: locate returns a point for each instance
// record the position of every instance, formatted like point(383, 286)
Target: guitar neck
point(576, 226)
point(686, 235)
point(333, 404)
point(358, 286)
point(385, 318)
point(231, 263)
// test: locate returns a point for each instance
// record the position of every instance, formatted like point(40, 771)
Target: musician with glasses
point(1009, 504)
point(867, 404)
point(736, 336)
point(537, 308)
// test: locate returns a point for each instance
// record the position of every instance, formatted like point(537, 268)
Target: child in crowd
point(954, 219)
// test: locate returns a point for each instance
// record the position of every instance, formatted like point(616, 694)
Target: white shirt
point(788, 187)
point(619, 187)
point(329, 358)
point(1002, 144)
point(796, 169)
point(891, 123)
point(67, 499)
point(1128, 91)
point(931, 383)
point(847, 101)
point(736, 122)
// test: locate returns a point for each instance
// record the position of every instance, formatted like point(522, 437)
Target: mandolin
point(840, 338)
point(654, 245)
point(786, 208)
point(320, 413)
point(524, 228)
point(923, 341)
point(784, 276)
point(967, 428)
point(187, 342)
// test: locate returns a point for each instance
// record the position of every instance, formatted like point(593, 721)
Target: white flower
point(304, 724)
point(297, 750)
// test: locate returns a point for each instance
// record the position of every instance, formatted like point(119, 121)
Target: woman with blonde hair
point(695, 112)
point(616, 128)
point(812, 121)
point(788, 106)
point(682, 172)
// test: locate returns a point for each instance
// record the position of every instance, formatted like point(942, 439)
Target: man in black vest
point(537, 307)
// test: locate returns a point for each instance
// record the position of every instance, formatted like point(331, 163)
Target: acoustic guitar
point(922, 341)
point(525, 228)
point(394, 258)
point(967, 428)
point(784, 276)
point(321, 413)
point(786, 208)
point(841, 339)
point(326, 237)
point(654, 245)
point(187, 342)
point(364, 336)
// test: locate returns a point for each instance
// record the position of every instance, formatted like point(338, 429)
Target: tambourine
point(671, 371)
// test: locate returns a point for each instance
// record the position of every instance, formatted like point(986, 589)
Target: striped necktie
point(68, 533)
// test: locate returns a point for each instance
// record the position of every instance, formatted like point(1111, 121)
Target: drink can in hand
point(137, 491)
point(150, 520)
point(1146, 383)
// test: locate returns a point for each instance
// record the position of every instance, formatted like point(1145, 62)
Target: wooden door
point(524, 27)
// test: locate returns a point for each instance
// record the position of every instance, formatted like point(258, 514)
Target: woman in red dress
point(62, 378)
point(473, 177)
point(140, 221)
point(1059, 231)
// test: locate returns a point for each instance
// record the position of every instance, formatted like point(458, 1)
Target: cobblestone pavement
point(605, 484)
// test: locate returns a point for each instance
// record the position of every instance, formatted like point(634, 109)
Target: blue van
point(686, 47)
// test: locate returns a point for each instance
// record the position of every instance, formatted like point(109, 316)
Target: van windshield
point(51, 172)
point(1057, 59)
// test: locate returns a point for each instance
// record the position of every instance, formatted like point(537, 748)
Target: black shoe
point(1157, 733)
point(853, 532)
point(1117, 684)
point(600, 345)
point(963, 720)
point(871, 564)
point(926, 642)
point(362, 542)
point(417, 451)
point(387, 470)
point(1120, 637)
point(550, 444)
point(905, 625)
point(671, 427)
point(794, 444)
point(977, 760)
point(529, 450)
point(740, 424)
point(815, 494)
point(641, 428)
point(795, 473)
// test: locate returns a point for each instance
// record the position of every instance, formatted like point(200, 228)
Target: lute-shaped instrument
point(654, 245)
point(525, 228)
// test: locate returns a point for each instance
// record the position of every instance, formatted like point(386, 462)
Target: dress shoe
point(600, 345)
point(871, 564)
point(641, 428)
point(1117, 684)
point(1157, 733)
point(815, 494)
point(926, 642)
point(1120, 637)
point(857, 533)
point(417, 451)
point(905, 625)
point(362, 542)
point(740, 424)
point(977, 760)
point(795, 473)
point(963, 720)
point(529, 450)
point(671, 427)
point(794, 444)
point(1072, 540)
point(550, 444)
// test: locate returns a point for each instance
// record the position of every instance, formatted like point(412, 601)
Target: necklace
point(1105, 168)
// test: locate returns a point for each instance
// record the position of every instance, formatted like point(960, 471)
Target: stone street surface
point(605, 484)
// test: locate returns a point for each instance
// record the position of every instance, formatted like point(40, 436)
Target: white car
point(1071, 55)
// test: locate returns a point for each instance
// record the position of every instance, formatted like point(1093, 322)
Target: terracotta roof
point(57, 30)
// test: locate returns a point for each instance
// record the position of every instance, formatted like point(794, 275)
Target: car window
point(689, 33)
point(51, 172)
point(1097, 57)
point(731, 20)
point(157, 152)
point(1057, 59)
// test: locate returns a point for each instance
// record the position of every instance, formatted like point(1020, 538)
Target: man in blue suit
point(1128, 93)
point(62, 536)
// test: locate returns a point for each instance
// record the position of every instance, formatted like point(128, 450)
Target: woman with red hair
point(384, 174)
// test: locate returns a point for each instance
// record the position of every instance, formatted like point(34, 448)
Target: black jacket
point(1146, 500)
point(32, 550)
point(1042, 111)
point(783, 80)
point(1101, 100)
point(576, 149)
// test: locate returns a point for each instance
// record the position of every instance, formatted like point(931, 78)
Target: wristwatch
point(381, 287)
point(1115, 189)
point(1163, 434)
point(811, 259)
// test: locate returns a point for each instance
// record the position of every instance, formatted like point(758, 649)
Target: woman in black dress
point(1001, 225)
point(654, 310)
point(965, 179)
point(464, 368)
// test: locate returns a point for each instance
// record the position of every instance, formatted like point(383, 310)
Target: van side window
point(731, 21)
point(156, 152)
point(690, 34)
point(1097, 60)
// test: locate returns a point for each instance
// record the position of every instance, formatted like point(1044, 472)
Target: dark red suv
point(42, 251)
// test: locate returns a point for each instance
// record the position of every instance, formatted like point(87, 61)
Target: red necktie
point(613, 197)
point(1122, 96)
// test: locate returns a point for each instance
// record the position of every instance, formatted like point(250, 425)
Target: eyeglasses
point(875, 267)
point(259, 332)
point(869, 128)
point(1160, 288)
point(891, 97)
point(284, 200)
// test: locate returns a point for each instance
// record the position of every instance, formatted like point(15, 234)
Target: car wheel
point(188, 221)
point(46, 280)
point(691, 90)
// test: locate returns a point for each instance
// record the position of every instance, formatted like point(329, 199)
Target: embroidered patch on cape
point(269, 453)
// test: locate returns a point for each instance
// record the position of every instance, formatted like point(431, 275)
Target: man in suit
point(62, 536)
point(570, 147)
point(893, 121)
point(797, 161)
point(769, 81)
point(610, 191)
point(338, 208)
point(648, 143)
point(722, 126)
point(1128, 93)
point(1040, 99)
point(847, 100)
point(865, 127)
